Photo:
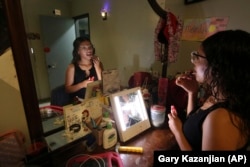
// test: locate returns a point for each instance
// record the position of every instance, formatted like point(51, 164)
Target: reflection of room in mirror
point(129, 112)
point(129, 106)
point(82, 25)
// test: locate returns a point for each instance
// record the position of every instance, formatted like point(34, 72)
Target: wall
point(125, 40)
point(237, 11)
point(12, 111)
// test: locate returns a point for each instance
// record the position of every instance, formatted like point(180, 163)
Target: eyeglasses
point(195, 56)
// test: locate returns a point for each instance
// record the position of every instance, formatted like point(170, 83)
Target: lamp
point(104, 14)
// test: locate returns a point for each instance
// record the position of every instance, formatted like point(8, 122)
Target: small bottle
point(106, 117)
point(109, 136)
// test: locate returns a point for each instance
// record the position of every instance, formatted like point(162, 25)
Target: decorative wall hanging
point(200, 29)
point(167, 36)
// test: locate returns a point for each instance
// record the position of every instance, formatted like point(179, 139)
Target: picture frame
point(187, 2)
point(130, 113)
point(92, 88)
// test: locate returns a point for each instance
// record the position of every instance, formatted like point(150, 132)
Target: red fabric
point(158, 45)
point(176, 96)
point(140, 79)
point(12, 148)
point(162, 91)
point(171, 27)
point(172, 30)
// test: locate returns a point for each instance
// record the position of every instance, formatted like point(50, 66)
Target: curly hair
point(76, 44)
point(228, 56)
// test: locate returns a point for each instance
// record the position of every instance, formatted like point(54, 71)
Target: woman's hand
point(188, 82)
point(175, 126)
point(98, 67)
point(174, 121)
point(96, 61)
point(86, 82)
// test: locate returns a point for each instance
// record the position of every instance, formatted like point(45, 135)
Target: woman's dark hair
point(76, 44)
point(228, 56)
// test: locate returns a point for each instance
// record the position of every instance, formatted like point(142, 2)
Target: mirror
point(51, 54)
point(58, 34)
point(130, 113)
point(23, 64)
point(24, 72)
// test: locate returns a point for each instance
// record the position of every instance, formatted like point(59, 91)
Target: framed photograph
point(191, 1)
point(130, 113)
point(93, 89)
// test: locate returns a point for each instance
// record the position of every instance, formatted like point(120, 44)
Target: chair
point(59, 97)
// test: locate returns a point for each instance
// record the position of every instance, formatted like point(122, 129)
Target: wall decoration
point(167, 36)
point(200, 29)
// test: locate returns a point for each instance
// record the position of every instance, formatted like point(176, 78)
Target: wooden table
point(151, 140)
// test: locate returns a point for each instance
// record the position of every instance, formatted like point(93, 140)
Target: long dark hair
point(228, 56)
point(76, 44)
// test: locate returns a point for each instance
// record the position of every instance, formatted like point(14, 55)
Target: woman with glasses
point(222, 122)
point(84, 68)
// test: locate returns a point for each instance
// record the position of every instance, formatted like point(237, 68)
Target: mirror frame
point(21, 56)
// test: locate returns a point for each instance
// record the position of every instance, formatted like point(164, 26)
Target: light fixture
point(104, 14)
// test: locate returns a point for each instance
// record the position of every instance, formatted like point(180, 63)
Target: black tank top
point(79, 76)
point(192, 127)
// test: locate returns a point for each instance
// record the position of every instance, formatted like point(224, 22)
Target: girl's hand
point(174, 121)
point(96, 61)
point(85, 83)
point(98, 67)
point(188, 82)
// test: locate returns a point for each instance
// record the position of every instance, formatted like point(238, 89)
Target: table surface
point(151, 140)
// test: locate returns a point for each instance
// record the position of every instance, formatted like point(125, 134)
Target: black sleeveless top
point(192, 127)
point(79, 76)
